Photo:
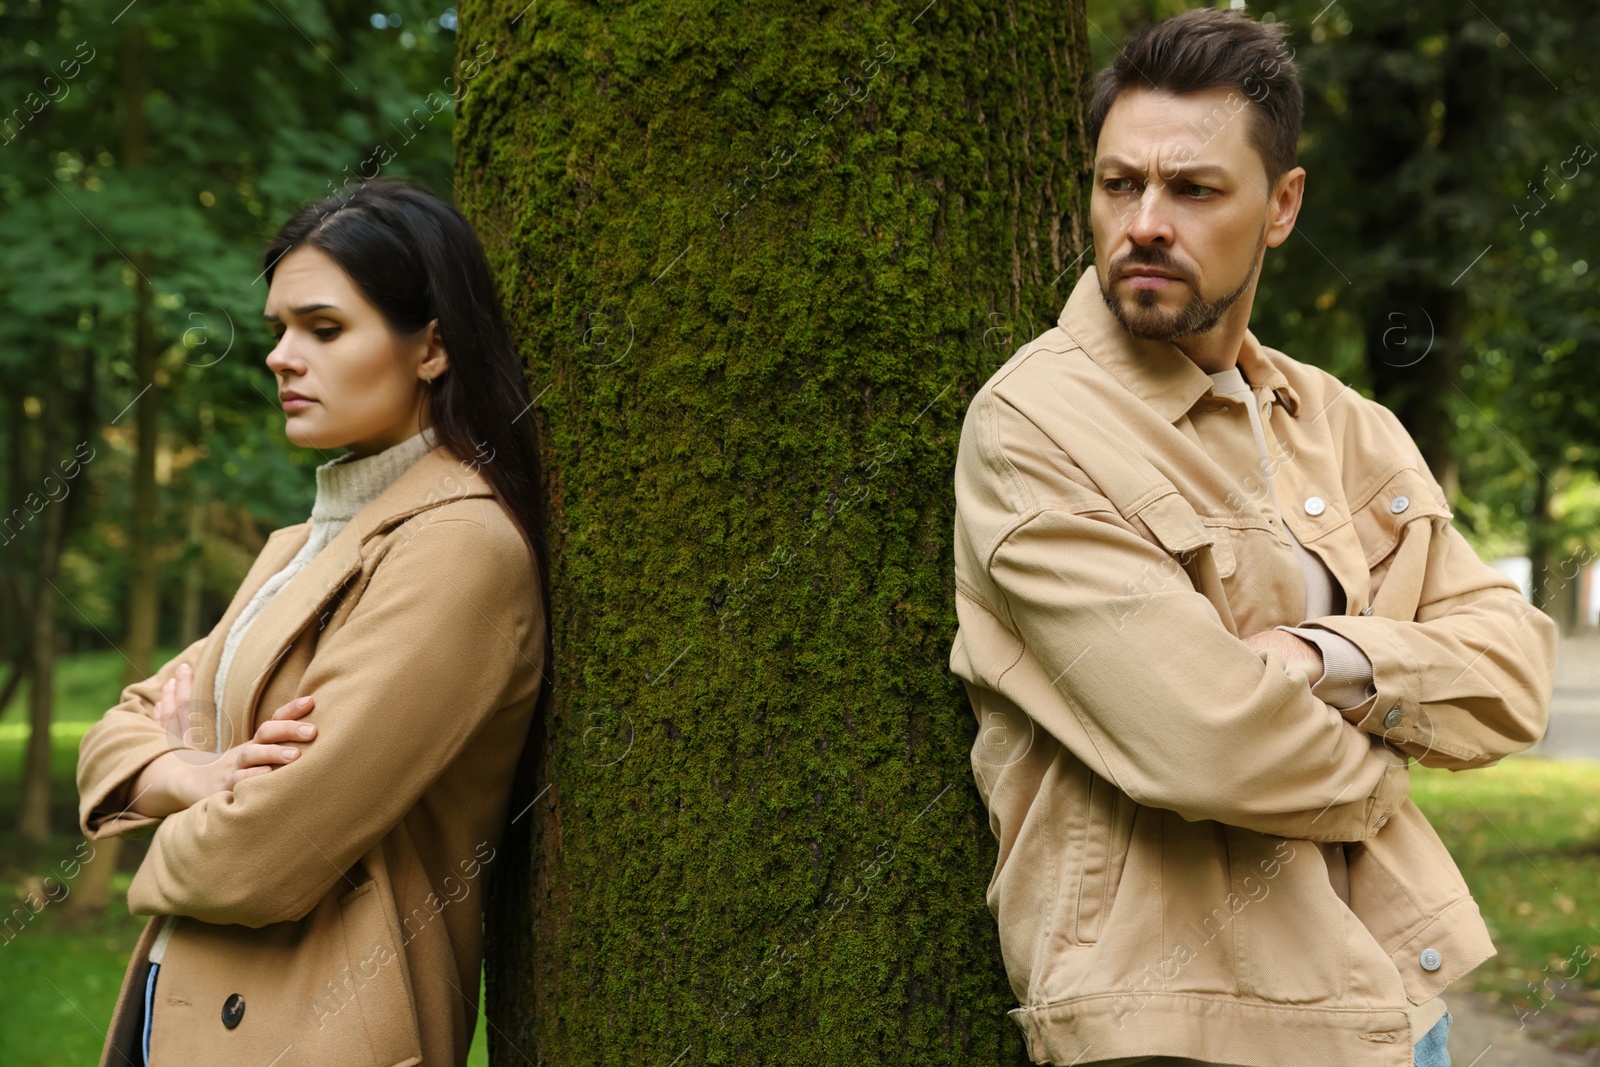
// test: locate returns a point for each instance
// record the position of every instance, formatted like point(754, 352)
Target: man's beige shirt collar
point(1158, 372)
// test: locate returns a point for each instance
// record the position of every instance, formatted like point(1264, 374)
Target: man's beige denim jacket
point(1153, 782)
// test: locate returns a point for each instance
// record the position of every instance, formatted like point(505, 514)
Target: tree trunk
point(1542, 548)
point(142, 594)
point(1414, 355)
point(16, 593)
point(92, 890)
point(758, 259)
point(33, 819)
point(194, 566)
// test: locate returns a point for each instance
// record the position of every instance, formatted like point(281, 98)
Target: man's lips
point(1149, 277)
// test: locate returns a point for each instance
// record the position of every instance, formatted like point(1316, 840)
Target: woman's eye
point(327, 333)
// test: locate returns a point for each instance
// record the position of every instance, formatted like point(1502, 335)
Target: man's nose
point(1151, 221)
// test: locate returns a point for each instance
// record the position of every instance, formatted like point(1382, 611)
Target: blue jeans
point(149, 1009)
point(1433, 1050)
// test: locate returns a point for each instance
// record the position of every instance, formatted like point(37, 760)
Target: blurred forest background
point(148, 150)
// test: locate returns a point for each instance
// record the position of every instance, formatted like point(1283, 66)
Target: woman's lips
point(297, 403)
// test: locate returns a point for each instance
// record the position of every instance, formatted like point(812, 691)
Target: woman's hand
point(171, 710)
point(175, 780)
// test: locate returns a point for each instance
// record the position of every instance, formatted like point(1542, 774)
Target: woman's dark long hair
point(415, 258)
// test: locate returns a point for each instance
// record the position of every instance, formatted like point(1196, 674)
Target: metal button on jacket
point(1314, 505)
point(1430, 959)
point(1399, 504)
point(232, 1011)
point(1394, 718)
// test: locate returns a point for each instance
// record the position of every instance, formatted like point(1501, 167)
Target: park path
point(1575, 705)
point(1484, 1034)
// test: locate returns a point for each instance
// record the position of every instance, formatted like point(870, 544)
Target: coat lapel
point(435, 478)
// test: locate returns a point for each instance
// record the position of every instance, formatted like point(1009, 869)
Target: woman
point(327, 773)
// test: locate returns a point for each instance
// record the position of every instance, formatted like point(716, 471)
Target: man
point(1211, 605)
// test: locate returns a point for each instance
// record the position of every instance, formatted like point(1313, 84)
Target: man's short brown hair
point(1209, 49)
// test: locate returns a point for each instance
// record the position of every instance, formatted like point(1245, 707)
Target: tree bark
point(189, 630)
point(33, 818)
point(758, 259)
point(92, 890)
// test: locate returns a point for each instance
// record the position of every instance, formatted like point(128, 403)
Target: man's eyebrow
point(308, 309)
point(1206, 171)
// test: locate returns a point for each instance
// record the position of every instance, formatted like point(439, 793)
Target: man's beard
point(1196, 316)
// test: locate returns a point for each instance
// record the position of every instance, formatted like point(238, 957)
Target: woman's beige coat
point(339, 895)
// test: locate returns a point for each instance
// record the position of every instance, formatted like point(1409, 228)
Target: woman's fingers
point(273, 731)
point(269, 756)
point(164, 704)
point(295, 708)
point(180, 709)
point(235, 777)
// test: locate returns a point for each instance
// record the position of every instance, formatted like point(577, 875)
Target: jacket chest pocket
point(1384, 525)
point(1381, 520)
point(1205, 554)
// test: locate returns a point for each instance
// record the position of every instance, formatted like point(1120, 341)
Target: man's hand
point(1296, 651)
point(178, 779)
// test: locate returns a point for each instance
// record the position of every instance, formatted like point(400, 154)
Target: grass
point(1526, 835)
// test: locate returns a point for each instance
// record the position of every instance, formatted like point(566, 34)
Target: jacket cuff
point(1346, 679)
point(119, 750)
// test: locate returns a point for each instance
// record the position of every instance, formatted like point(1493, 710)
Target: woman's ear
point(435, 360)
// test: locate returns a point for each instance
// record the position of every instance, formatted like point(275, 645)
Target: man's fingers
point(295, 708)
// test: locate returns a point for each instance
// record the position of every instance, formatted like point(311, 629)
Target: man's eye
point(1119, 185)
point(1198, 190)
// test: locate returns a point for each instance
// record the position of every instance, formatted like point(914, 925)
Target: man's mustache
point(1148, 258)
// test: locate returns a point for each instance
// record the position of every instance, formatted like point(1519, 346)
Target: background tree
point(145, 155)
point(1440, 261)
point(759, 258)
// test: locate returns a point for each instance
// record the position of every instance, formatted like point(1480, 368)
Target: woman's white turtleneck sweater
point(345, 485)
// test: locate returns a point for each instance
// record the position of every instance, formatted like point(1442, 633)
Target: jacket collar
point(1158, 372)
point(436, 478)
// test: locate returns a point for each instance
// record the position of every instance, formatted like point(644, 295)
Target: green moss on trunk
point(758, 258)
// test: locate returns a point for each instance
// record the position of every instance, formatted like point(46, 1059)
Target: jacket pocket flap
point(1173, 523)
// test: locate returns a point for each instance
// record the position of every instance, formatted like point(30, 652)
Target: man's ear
point(1287, 195)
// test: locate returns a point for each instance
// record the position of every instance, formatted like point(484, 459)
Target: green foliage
point(1442, 144)
point(242, 111)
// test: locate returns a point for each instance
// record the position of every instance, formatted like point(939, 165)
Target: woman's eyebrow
point(308, 309)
